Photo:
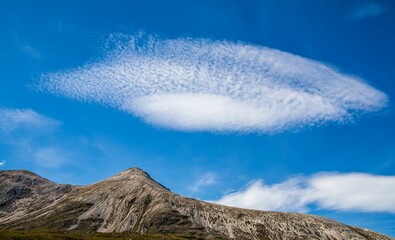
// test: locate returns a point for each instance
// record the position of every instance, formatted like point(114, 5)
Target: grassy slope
point(36, 235)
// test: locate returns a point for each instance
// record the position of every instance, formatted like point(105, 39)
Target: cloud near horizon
point(219, 86)
point(358, 192)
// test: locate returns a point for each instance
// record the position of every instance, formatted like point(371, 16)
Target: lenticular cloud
point(202, 85)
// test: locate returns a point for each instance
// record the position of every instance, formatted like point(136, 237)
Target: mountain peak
point(136, 175)
point(135, 170)
point(18, 172)
point(22, 176)
point(132, 173)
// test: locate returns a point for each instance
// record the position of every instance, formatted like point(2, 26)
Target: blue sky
point(260, 104)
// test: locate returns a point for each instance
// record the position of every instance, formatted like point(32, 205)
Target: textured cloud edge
point(16, 119)
point(332, 191)
point(219, 86)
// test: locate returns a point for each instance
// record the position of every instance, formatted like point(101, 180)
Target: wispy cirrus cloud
point(14, 119)
point(27, 49)
point(50, 157)
point(332, 191)
point(367, 10)
point(204, 180)
point(203, 85)
point(23, 132)
point(2, 163)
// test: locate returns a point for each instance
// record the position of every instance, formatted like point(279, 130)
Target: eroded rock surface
point(133, 201)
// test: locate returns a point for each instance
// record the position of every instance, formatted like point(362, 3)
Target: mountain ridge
point(131, 201)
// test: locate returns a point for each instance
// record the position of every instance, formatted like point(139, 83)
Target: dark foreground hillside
point(42, 235)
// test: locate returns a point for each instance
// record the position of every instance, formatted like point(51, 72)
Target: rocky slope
point(23, 191)
point(132, 201)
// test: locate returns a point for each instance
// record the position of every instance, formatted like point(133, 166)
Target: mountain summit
point(131, 201)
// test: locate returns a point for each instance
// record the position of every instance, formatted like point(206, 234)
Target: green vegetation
point(40, 235)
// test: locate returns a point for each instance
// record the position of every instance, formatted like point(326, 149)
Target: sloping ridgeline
point(131, 203)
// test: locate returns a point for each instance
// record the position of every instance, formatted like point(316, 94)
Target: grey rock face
point(22, 192)
point(132, 201)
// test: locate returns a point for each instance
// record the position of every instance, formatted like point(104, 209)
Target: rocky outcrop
point(22, 192)
point(132, 201)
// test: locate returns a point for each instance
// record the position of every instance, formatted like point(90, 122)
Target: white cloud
point(334, 191)
point(195, 85)
point(2, 163)
point(50, 157)
point(285, 196)
point(366, 10)
point(355, 191)
point(206, 179)
point(14, 119)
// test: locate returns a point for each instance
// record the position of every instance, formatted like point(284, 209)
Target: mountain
point(131, 201)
